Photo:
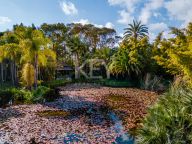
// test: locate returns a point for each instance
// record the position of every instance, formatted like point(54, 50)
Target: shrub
point(56, 83)
point(21, 96)
point(116, 83)
point(5, 97)
point(153, 83)
point(44, 94)
point(170, 120)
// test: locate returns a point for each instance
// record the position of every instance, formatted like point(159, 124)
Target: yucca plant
point(170, 120)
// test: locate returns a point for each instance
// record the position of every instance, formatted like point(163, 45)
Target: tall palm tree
point(1, 62)
point(135, 31)
point(10, 50)
point(36, 48)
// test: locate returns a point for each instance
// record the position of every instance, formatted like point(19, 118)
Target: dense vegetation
point(169, 121)
point(33, 60)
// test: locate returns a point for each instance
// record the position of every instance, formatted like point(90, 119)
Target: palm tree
point(10, 50)
point(1, 62)
point(135, 31)
point(36, 48)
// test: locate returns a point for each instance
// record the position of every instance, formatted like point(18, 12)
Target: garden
point(79, 83)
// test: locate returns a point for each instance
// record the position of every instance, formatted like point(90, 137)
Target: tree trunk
point(77, 75)
point(2, 72)
point(15, 73)
point(36, 71)
point(5, 74)
point(12, 72)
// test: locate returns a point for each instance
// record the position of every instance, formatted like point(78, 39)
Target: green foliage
point(21, 96)
point(77, 47)
point(40, 94)
point(175, 54)
point(95, 37)
point(135, 31)
point(107, 82)
point(117, 83)
point(56, 83)
point(169, 121)
point(17, 96)
point(24, 46)
point(132, 58)
point(5, 97)
point(104, 53)
point(154, 83)
point(122, 63)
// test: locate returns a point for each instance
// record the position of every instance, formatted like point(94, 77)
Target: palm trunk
point(12, 72)
point(15, 73)
point(36, 71)
point(5, 74)
point(2, 72)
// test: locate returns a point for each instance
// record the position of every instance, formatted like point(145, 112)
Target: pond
point(123, 138)
point(70, 119)
point(93, 116)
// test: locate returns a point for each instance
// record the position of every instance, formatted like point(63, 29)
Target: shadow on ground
point(92, 113)
point(68, 107)
point(8, 113)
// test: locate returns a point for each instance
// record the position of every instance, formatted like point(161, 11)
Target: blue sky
point(158, 15)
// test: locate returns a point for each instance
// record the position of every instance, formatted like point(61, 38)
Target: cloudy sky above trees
point(158, 15)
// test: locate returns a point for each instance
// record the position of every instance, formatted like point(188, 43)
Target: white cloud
point(145, 15)
point(125, 17)
point(86, 21)
point(155, 28)
point(68, 8)
point(128, 4)
point(146, 12)
point(167, 34)
point(180, 10)
point(83, 21)
point(128, 8)
point(158, 27)
point(4, 20)
point(109, 25)
point(152, 36)
point(156, 14)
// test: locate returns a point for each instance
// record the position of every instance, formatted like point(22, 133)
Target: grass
point(107, 82)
